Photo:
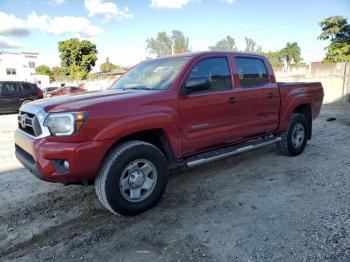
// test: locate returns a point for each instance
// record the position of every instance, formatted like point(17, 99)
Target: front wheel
point(294, 138)
point(132, 178)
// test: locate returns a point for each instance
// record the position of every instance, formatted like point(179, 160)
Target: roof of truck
point(200, 53)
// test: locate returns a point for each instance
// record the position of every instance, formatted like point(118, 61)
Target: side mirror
point(195, 84)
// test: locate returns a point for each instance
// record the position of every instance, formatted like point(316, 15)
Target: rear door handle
point(232, 100)
point(270, 95)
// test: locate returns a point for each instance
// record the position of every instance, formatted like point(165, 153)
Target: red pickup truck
point(166, 113)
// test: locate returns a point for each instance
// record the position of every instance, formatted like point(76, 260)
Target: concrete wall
point(91, 85)
point(335, 79)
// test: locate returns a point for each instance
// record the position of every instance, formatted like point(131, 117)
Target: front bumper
point(27, 161)
point(40, 157)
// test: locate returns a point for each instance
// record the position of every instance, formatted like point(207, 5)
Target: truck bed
point(282, 84)
point(309, 92)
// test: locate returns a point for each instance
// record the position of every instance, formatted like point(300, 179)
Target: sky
point(120, 28)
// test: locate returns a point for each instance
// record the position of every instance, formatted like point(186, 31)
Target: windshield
point(59, 88)
point(152, 75)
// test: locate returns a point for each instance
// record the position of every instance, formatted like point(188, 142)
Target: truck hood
point(83, 101)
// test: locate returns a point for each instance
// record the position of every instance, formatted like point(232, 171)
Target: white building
point(21, 67)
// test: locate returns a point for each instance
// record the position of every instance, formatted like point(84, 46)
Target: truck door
point(11, 96)
point(2, 105)
point(206, 104)
point(258, 96)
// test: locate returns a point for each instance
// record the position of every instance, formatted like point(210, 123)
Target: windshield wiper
point(137, 88)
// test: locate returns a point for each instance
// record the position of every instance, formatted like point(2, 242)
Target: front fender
point(142, 122)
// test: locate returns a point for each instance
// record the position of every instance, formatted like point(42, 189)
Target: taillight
point(40, 92)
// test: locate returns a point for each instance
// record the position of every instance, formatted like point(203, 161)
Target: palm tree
point(291, 53)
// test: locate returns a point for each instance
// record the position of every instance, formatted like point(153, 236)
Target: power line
point(280, 34)
point(291, 30)
point(279, 25)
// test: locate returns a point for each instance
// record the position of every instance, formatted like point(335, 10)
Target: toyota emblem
point(23, 120)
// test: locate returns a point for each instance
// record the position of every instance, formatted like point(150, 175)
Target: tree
point(251, 46)
point(337, 29)
point(44, 70)
point(291, 53)
point(78, 57)
point(57, 73)
point(275, 58)
point(107, 66)
point(226, 44)
point(180, 42)
point(163, 44)
point(76, 72)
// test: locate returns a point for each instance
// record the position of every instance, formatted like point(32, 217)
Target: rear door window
point(28, 87)
point(251, 72)
point(10, 89)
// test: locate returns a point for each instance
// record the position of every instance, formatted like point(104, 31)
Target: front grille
point(29, 123)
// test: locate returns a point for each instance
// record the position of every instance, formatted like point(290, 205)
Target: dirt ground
point(258, 206)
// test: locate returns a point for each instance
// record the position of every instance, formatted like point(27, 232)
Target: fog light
point(66, 164)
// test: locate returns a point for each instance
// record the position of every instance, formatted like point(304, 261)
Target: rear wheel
point(294, 138)
point(132, 178)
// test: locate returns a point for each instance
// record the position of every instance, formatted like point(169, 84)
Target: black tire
point(107, 183)
point(286, 146)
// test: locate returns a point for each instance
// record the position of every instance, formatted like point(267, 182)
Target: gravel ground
point(258, 206)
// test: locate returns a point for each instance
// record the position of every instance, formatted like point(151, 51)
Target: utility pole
point(346, 83)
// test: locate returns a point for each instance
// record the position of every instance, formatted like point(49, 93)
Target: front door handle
point(270, 95)
point(232, 100)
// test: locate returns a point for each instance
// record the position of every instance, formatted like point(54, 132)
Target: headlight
point(65, 124)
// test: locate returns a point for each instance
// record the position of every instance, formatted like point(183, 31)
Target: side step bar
point(230, 151)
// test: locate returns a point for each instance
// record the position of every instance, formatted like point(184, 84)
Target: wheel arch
point(297, 105)
point(155, 136)
point(26, 100)
point(305, 109)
